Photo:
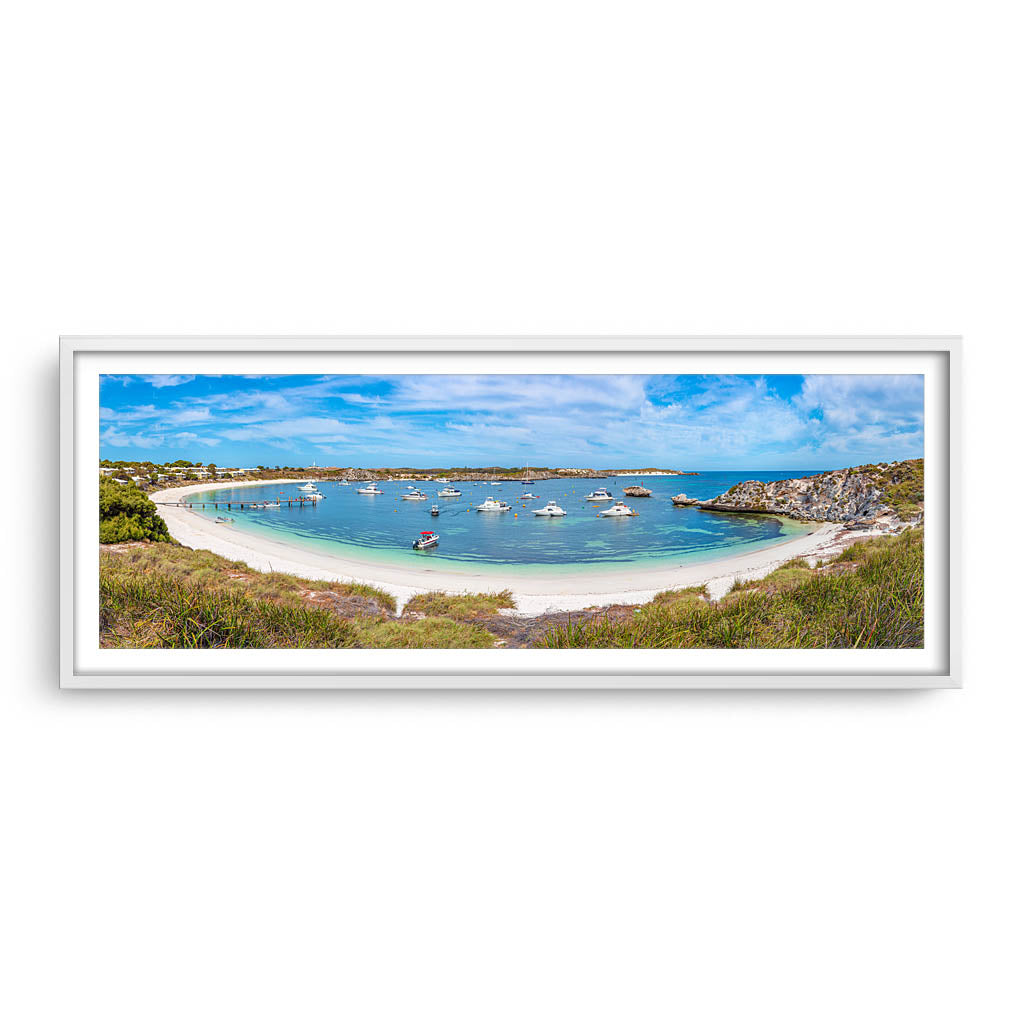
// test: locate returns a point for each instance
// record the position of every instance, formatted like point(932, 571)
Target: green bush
point(127, 514)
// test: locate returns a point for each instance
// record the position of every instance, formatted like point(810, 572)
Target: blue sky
point(682, 422)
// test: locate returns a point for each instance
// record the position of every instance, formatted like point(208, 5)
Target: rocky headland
point(888, 496)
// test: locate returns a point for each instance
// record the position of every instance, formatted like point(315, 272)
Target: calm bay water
point(382, 528)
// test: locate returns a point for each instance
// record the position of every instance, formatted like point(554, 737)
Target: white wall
point(560, 167)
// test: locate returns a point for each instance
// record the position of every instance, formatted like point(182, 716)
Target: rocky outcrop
point(637, 492)
point(682, 499)
point(886, 495)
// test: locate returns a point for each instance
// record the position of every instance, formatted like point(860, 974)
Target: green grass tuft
point(460, 606)
point(436, 631)
point(154, 610)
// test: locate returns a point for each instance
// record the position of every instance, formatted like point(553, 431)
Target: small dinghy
point(426, 539)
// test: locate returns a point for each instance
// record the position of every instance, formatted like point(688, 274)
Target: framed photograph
point(545, 512)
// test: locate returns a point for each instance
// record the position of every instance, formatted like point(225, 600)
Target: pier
point(240, 504)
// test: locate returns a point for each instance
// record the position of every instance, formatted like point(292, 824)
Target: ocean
point(382, 528)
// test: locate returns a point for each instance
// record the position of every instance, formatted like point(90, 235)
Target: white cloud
point(168, 380)
point(186, 437)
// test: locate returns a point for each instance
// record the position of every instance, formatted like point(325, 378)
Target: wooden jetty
point(240, 504)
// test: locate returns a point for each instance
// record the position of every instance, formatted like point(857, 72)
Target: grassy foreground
point(872, 595)
point(164, 595)
point(161, 595)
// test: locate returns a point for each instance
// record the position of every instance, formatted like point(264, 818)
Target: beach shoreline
point(536, 596)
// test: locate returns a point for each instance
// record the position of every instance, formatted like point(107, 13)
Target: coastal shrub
point(126, 514)
point(902, 486)
point(879, 604)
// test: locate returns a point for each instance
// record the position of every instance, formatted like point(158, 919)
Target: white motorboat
point(490, 505)
point(344, 483)
point(528, 495)
point(449, 492)
point(414, 495)
point(434, 510)
point(441, 480)
point(618, 509)
point(550, 509)
point(315, 496)
point(309, 485)
point(600, 494)
point(426, 539)
point(372, 489)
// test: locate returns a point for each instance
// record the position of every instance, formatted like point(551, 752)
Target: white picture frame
point(82, 359)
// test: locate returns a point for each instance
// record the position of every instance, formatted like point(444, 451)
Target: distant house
point(107, 471)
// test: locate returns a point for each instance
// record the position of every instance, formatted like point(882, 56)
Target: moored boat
point(490, 505)
point(449, 492)
point(600, 494)
point(426, 539)
point(372, 489)
point(617, 510)
point(550, 509)
point(414, 495)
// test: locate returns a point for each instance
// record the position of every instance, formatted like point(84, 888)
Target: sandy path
point(536, 596)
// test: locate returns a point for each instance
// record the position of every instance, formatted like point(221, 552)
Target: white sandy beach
point(533, 597)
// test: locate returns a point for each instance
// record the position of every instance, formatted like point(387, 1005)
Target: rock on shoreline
point(889, 495)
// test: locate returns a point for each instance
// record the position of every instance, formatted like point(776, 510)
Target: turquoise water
point(382, 529)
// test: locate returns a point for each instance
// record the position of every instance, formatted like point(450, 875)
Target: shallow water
point(382, 528)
